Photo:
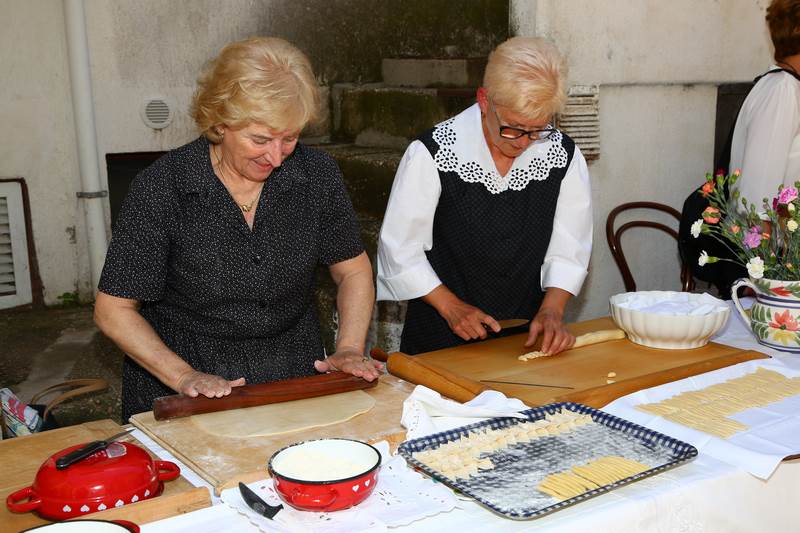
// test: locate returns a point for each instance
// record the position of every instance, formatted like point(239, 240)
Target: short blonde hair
point(527, 75)
point(263, 80)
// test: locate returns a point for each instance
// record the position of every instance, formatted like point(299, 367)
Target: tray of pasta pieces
point(557, 455)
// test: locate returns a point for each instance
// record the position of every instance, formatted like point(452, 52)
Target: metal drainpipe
point(83, 112)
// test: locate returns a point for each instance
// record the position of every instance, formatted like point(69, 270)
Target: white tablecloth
point(705, 495)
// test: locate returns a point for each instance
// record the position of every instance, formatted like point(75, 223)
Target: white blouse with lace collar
point(407, 232)
point(463, 149)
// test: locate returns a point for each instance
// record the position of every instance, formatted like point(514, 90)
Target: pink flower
point(711, 215)
point(786, 195)
point(753, 238)
point(708, 187)
point(784, 321)
point(737, 172)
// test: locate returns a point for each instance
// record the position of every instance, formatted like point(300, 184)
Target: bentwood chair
point(613, 237)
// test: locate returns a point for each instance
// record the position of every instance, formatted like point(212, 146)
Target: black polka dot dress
point(229, 300)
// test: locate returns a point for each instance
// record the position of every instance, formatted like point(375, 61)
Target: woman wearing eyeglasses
point(490, 215)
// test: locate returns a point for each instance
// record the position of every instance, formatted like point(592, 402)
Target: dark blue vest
point(487, 248)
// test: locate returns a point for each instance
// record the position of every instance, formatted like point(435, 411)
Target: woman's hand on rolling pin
point(555, 336)
point(352, 361)
point(194, 383)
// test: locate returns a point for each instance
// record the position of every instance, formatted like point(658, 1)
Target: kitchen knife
point(82, 453)
point(255, 502)
point(512, 322)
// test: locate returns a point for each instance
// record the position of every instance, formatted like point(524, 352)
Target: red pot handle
point(167, 470)
point(33, 502)
point(310, 500)
point(130, 526)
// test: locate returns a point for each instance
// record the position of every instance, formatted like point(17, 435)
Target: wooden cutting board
point(21, 457)
point(224, 461)
point(581, 375)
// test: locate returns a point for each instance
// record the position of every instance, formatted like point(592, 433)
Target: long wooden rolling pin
point(179, 405)
point(419, 372)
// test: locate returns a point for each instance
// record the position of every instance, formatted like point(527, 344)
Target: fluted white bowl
point(671, 332)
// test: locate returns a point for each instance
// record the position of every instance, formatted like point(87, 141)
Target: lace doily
point(543, 157)
point(402, 496)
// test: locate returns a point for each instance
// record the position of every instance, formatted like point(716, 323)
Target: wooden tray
point(21, 458)
point(581, 375)
point(225, 461)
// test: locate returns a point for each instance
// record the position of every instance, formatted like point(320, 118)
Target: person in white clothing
point(490, 213)
point(766, 139)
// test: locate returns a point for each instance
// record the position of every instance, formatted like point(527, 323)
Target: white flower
point(790, 207)
point(703, 259)
point(755, 267)
point(791, 225)
point(697, 227)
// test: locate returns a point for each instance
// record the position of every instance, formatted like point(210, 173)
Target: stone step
point(379, 115)
point(368, 173)
point(419, 72)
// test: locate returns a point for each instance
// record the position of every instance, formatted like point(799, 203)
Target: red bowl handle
point(130, 526)
point(27, 493)
point(313, 501)
point(167, 470)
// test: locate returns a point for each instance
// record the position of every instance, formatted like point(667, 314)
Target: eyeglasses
point(511, 133)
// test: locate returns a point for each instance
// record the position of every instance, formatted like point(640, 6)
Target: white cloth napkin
point(672, 303)
point(425, 411)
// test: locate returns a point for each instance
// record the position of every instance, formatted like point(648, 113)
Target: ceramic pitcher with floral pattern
point(775, 315)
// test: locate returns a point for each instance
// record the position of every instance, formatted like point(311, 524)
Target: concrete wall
point(145, 48)
point(658, 65)
point(39, 139)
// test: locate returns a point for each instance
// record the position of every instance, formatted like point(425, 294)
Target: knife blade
point(93, 447)
point(512, 322)
point(257, 504)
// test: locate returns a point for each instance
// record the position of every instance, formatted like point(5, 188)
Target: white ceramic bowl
point(671, 332)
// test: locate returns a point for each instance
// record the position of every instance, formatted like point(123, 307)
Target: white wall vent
point(581, 119)
point(15, 276)
point(157, 112)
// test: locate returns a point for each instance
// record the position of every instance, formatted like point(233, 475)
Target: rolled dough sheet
point(286, 417)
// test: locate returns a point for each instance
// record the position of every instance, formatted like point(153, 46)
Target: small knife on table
point(257, 504)
point(82, 453)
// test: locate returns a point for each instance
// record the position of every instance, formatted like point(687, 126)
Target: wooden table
point(581, 375)
point(21, 458)
point(224, 461)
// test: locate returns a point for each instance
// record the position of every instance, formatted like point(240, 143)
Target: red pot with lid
point(121, 474)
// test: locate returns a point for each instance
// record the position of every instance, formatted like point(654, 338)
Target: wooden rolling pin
point(179, 405)
point(434, 377)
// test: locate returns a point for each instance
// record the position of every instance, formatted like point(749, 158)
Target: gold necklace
point(244, 207)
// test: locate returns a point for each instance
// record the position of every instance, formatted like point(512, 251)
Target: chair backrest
point(614, 243)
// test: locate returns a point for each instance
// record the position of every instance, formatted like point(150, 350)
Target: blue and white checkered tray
point(510, 487)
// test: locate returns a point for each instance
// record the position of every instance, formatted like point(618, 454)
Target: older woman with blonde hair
point(209, 278)
point(490, 212)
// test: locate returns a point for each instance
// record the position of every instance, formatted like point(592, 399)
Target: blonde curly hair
point(263, 80)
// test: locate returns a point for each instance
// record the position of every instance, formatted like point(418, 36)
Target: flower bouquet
point(767, 242)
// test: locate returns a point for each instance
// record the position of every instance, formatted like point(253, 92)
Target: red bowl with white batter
point(325, 474)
